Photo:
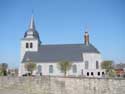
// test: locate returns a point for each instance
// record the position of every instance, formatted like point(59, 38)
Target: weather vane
point(86, 28)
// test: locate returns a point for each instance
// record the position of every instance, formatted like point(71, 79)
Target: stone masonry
point(60, 85)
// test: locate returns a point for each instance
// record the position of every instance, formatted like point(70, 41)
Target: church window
point(39, 69)
point(31, 45)
point(92, 74)
point(103, 73)
point(86, 64)
point(74, 67)
point(50, 68)
point(98, 73)
point(27, 45)
point(87, 73)
point(97, 65)
point(61, 70)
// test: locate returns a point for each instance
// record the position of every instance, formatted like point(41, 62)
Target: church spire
point(32, 24)
point(31, 32)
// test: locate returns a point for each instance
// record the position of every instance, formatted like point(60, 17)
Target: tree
point(30, 67)
point(64, 66)
point(108, 66)
point(3, 69)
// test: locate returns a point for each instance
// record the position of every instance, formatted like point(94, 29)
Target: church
point(85, 58)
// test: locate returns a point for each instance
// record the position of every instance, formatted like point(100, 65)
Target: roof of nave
point(56, 53)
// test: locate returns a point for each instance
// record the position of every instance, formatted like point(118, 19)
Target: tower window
point(31, 45)
point(50, 68)
point(86, 64)
point(27, 45)
point(97, 65)
point(74, 68)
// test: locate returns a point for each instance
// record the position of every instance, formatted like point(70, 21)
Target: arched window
point(27, 45)
point(97, 65)
point(98, 73)
point(87, 73)
point(50, 68)
point(86, 64)
point(92, 74)
point(103, 73)
point(39, 69)
point(74, 68)
point(31, 45)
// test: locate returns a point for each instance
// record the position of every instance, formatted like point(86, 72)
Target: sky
point(63, 22)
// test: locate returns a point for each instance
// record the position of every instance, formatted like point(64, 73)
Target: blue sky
point(63, 22)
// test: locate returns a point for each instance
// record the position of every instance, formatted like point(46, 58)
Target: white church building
point(85, 58)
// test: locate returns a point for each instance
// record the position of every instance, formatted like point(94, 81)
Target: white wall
point(24, 49)
point(57, 72)
point(92, 58)
point(22, 69)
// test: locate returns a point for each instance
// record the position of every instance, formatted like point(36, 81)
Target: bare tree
point(3, 68)
point(108, 66)
point(64, 66)
point(30, 67)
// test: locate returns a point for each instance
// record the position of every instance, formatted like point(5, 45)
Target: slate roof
point(56, 53)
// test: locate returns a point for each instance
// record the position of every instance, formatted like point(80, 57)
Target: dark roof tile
point(56, 53)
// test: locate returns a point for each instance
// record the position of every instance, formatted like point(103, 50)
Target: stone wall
point(59, 85)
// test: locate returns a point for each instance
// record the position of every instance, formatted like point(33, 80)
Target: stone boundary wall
point(60, 85)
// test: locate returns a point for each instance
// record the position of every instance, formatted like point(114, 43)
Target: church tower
point(31, 40)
